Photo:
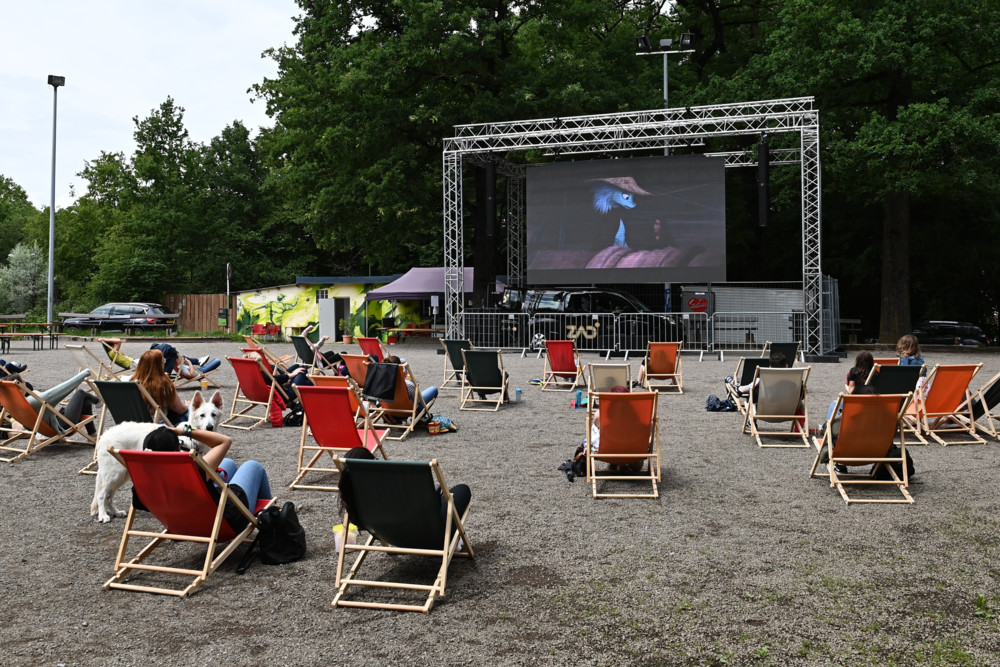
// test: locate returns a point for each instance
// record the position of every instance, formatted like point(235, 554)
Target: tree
point(15, 213)
point(24, 279)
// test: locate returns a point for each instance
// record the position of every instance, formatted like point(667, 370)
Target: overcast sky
point(122, 59)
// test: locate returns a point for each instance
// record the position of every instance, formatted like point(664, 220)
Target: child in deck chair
point(908, 349)
point(461, 493)
point(248, 481)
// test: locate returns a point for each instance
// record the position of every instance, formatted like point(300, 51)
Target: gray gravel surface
point(742, 560)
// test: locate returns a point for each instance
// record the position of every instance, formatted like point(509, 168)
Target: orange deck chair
point(562, 370)
point(32, 430)
point(171, 485)
point(372, 347)
point(887, 361)
point(358, 406)
point(869, 424)
point(945, 408)
point(357, 367)
point(663, 367)
point(629, 432)
point(252, 392)
point(328, 416)
point(401, 414)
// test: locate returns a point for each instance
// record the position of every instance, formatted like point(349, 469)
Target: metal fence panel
point(749, 330)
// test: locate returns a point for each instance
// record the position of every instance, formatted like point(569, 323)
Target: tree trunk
point(895, 268)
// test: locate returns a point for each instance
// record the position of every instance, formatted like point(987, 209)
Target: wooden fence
point(199, 312)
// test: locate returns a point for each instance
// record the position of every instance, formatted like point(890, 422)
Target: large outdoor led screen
point(641, 220)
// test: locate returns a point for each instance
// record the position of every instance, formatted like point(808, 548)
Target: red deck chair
point(946, 407)
point(171, 485)
point(663, 367)
point(562, 370)
point(371, 346)
point(629, 432)
point(252, 392)
point(328, 416)
point(31, 429)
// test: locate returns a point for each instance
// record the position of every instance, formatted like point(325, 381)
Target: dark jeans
point(462, 495)
point(81, 405)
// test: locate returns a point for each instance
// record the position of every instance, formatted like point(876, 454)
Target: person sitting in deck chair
point(777, 360)
point(12, 371)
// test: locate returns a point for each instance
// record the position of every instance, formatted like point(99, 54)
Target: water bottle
point(579, 399)
point(517, 395)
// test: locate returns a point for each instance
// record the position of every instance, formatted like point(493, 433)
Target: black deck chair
point(983, 402)
point(790, 350)
point(484, 376)
point(745, 370)
point(454, 362)
point(304, 351)
point(397, 503)
point(127, 402)
point(893, 379)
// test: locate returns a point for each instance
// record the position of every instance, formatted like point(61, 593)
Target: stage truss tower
point(634, 131)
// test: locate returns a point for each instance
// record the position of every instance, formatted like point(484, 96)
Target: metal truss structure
point(634, 131)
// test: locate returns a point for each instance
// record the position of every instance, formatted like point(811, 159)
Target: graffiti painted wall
point(293, 307)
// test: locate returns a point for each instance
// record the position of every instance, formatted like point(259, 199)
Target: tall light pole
point(642, 43)
point(55, 82)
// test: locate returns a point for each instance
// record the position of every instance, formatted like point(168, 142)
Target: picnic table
point(36, 332)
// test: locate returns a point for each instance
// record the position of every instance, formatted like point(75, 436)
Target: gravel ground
point(742, 560)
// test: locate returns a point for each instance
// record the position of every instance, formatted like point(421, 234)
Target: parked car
point(122, 315)
point(561, 313)
point(949, 332)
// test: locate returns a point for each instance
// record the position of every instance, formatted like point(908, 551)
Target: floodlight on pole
point(665, 49)
point(55, 82)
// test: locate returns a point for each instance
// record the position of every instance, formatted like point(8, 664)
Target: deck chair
point(887, 361)
point(790, 350)
point(99, 368)
point(305, 352)
point(781, 397)
point(371, 347)
point(629, 432)
point(127, 402)
point(256, 388)
point(562, 370)
point(945, 408)
point(359, 406)
point(896, 379)
point(171, 485)
point(29, 428)
point(605, 377)
point(484, 376)
point(328, 420)
point(985, 401)
point(357, 367)
point(869, 425)
point(398, 505)
point(663, 367)
point(279, 361)
point(119, 361)
point(401, 415)
point(454, 363)
point(201, 374)
point(744, 375)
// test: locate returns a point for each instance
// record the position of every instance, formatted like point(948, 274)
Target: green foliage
point(24, 279)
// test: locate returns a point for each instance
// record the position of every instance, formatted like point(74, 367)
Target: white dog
point(111, 474)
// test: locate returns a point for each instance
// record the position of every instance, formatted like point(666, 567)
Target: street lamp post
point(55, 82)
point(665, 49)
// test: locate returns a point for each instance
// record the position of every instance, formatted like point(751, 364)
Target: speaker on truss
point(763, 179)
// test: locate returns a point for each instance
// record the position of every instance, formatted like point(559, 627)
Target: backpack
point(280, 538)
point(714, 404)
point(882, 473)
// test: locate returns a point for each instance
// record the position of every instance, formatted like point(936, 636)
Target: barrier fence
point(630, 332)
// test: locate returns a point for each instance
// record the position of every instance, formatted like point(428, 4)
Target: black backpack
point(280, 538)
point(881, 473)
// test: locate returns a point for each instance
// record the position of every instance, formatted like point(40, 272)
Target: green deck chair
point(454, 362)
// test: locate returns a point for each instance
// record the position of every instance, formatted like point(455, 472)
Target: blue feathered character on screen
point(618, 192)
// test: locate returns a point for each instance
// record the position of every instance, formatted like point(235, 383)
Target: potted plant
point(347, 329)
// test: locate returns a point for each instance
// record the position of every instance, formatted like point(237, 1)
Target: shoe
point(729, 379)
point(203, 360)
point(840, 468)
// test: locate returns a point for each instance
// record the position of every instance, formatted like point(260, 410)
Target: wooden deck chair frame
point(454, 363)
point(870, 424)
point(948, 385)
point(562, 369)
point(371, 346)
point(401, 415)
point(118, 362)
point(984, 402)
point(603, 377)
point(328, 422)
point(896, 379)
point(663, 367)
point(486, 378)
point(744, 375)
point(99, 368)
point(792, 351)
point(629, 431)
point(199, 375)
point(252, 392)
point(126, 401)
point(195, 497)
point(394, 484)
point(278, 361)
point(31, 426)
point(357, 367)
point(781, 392)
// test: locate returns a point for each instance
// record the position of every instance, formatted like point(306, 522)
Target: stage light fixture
point(687, 40)
point(642, 43)
point(665, 44)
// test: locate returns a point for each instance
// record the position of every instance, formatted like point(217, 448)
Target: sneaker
point(840, 468)
point(729, 380)
point(204, 360)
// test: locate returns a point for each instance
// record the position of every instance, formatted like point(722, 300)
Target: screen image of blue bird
point(660, 219)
